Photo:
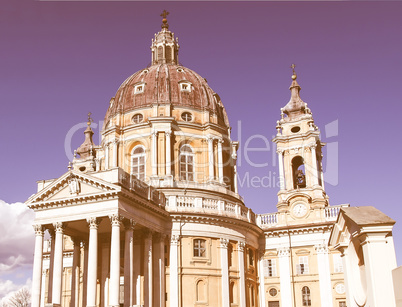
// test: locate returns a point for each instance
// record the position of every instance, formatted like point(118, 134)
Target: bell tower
point(300, 157)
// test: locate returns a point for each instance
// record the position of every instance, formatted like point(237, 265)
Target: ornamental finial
point(165, 25)
point(294, 76)
point(90, 120)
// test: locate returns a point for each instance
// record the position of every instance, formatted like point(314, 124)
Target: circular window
point(179, 69)
point(137, 118)
point(340, 288)
point(273, 292)
point(186, 116)
point(295, 129)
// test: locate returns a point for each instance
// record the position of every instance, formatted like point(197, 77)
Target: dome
point(166, 84)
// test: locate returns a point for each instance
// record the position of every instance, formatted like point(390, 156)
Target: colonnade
point(168, 155)
point(152, 291)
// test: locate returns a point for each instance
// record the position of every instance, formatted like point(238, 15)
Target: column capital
point(39, 229)
point(220, 140)
point(129, 224)
point(159, 236)
point(115, 141)
point(209, 139)
point(59, 226)
point(174, 239)
point(283, 252)
point(224, 243)
point(168, 133)
point(93, 222)
point(154, 133)
point(115, 219)
point(321, 248)
point(241, 245)
point(148, 234)
point(280, 151)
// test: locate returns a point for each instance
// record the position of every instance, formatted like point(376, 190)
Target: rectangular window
point(273, 304)
point(302, 267)
point(338, 265)
point(199, 248)
point(269, 267)
point(342, 304)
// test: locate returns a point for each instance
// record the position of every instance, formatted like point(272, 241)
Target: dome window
point(186, 116)
point(139, 88)
point(137, 118)
point(179, 69)
point(185, 86)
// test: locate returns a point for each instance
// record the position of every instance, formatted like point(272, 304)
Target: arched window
point(306, 296)
point(199, 249)
point(232, 293)
point(250, 257)
point(138, 162)
point(201, 291)
point(186, 163)
point(299, 178)
point(168, 54)
point(252, 296)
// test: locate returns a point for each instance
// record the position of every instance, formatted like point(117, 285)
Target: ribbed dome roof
point(166, 84)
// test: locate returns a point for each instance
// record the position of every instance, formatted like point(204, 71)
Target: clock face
point(299, 209)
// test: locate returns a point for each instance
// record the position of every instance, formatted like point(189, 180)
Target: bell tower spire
point(165, 47)
point(299, 154)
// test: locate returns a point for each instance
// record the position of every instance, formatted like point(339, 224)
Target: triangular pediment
point(72, 185)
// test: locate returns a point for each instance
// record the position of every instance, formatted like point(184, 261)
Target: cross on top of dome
point(164, 14)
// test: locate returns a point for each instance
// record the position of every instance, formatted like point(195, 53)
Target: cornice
point(215, 220)
point(298, 229)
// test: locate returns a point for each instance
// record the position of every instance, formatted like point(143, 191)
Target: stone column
point(285, 282)
point(74, 280)
point(174, 271)
point(92, 261)
point(379, 261)
point(115, 152)
point(154, 153)
point(220, 161)
point(211, 158)
point(37, 266)
point(262, 277)
point(324, 275)
point(84, 272)
point(225, 272)
point(314, 169)
point(43, 289)
point(129, 264)
point(235, 177)
point(114, 288)
point(58, 264)
point(51, 265)
point(106, 156)
point(350, 302)
point(162, 286)
point(137, 271)
point(281, 172)
point(242, 275)
point(168, 153)
point(148, 270)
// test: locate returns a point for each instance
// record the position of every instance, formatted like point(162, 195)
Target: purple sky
point(60, 60)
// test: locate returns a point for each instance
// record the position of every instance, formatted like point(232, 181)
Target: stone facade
point(152, 215)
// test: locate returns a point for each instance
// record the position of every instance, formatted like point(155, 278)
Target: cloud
point(8, 288)
point(17, 240)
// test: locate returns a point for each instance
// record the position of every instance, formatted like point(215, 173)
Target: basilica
point(152, 215)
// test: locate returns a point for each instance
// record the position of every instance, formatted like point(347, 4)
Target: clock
point(299, 210)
